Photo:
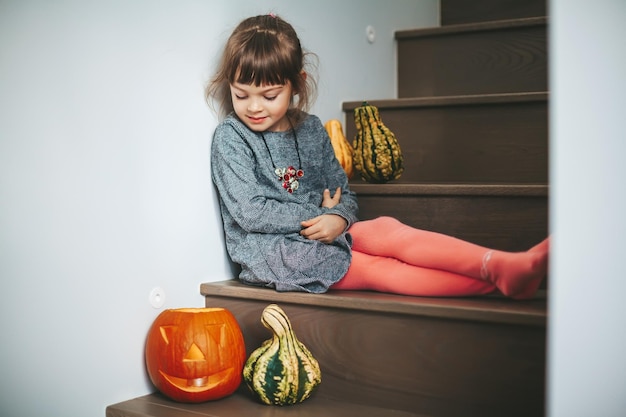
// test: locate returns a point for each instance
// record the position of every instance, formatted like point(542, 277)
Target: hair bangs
point(263, 61)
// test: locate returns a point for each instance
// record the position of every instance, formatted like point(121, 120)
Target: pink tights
point(389, 256)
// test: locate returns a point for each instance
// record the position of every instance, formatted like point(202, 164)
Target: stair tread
point(469, 99)
point(457, 11)
point(478, 139)
point(494, 190)
point(491, 308)
point(472, 27)
point(240, 404)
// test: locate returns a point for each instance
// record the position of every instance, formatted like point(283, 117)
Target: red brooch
point(290, 178)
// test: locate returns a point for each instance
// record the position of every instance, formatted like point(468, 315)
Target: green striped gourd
point(282, 371)
point(377, 155)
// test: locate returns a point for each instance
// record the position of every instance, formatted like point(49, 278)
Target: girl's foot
point(517, 275)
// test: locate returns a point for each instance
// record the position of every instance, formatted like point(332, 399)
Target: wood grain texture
point(494, 57)
point(487, 309)
point(484, 142)
point(462, 100)
point(477, 190)
point(241, 404)
point(505, 223)
point(459, 11)
point(416, 364)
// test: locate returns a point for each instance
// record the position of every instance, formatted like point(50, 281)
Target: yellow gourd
point(282, 371)
point(341, 146)
point(377, 154)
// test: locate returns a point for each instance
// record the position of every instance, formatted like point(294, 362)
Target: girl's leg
point(517, 275)
point(378, 273)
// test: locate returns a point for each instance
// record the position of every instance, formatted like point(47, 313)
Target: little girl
point(274, 166)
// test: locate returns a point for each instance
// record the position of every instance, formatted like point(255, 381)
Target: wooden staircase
point(472, 122)
point(471, 119)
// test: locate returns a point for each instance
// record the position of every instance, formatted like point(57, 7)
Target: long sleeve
point(336, 177)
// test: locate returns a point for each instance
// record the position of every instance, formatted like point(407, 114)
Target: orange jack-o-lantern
point(195, 354)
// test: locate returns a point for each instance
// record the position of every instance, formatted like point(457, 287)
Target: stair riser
point(431, 366)
point(503, 143)
point(477, 62)
point(457, 11)
point(506, 223)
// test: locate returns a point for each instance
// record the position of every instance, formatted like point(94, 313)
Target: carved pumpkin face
point(195, 354)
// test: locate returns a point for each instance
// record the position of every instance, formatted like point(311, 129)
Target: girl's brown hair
point(263, 50)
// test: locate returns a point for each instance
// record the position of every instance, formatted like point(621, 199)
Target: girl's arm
point(339, 203)
point(336, 177)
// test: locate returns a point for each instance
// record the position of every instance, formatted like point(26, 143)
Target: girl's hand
point(325, 228)
point(330, 202)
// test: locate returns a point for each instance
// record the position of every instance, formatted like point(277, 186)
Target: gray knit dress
point(262, 219)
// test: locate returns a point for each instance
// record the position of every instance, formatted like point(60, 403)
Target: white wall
point(587, 340)
point(104, 173)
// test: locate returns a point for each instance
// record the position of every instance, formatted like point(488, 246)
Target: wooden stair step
point(475, 58)
point(488, 309)
point(488, 138)
point(241, 404)
point(458, 11)
point(482, 356)
point(506, 217)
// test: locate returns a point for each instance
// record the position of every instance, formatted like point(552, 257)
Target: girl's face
point(262, 108)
